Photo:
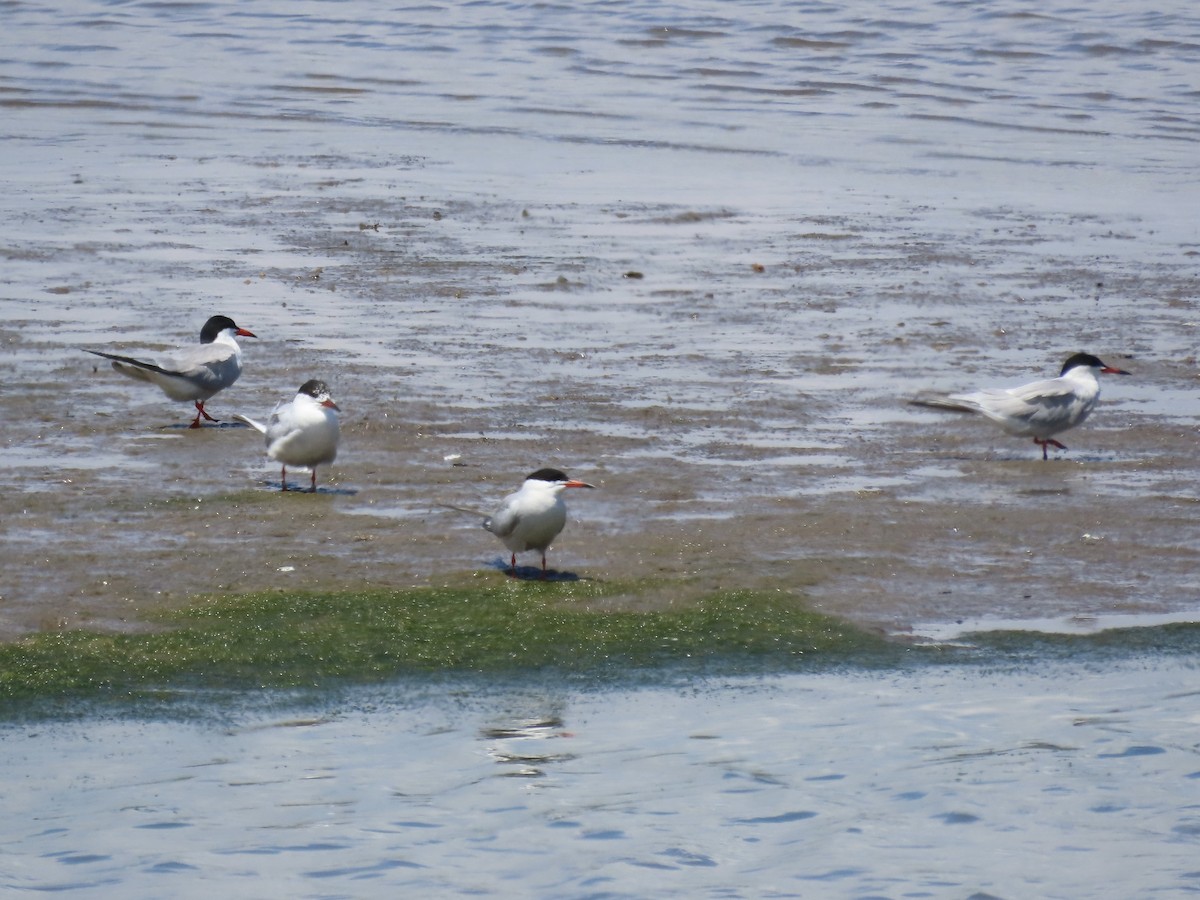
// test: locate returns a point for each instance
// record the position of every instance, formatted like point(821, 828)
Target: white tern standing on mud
point(1040, 409)
point(532, 517)
point(192, 373)
point(302, 432)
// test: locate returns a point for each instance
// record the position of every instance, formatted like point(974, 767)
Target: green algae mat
point(586, 632)
point(288, 640)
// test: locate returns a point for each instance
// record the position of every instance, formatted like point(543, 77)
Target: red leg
point(514, 565)
point(1046, 446)
point(314, 479)
point(283, 480)
point(201, 411)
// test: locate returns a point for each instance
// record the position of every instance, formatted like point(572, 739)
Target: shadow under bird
point(532, 517)
point(1040, 409)
point(302, 432)
point(193, 373)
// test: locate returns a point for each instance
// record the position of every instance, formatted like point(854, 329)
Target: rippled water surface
point(698, 254)
point(1068, 782)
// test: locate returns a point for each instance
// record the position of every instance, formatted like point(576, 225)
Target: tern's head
point(319, 391)
point(218, 325)
point(554, 479)
point(1087, 361)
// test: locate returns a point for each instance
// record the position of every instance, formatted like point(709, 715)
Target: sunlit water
point(887, 165)
point(1071, 781)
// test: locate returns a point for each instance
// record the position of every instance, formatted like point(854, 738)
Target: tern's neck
point(226, 337)
point(537, 486)
point(1082, 375)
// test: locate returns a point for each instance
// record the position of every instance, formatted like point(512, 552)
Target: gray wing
point(503, 521)
point(1041, 405)
point(280, 421)
point(213, 365)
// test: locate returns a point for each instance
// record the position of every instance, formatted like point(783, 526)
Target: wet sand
point(741, 405)
point(698, 257)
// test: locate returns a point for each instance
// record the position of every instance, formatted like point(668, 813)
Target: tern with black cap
point(302, 432)
point(532, 517)
point(193, 373)
point(1040, 409)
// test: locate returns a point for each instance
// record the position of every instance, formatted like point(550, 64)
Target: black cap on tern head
point(315, 388)
point(552, 475)
point(1081, 359)
point(216, 324)
point(1091, 362)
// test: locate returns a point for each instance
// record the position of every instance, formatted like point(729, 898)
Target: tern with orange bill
point(193, 373)
point(532, 517)
point(1041, 409)
point(302, 432)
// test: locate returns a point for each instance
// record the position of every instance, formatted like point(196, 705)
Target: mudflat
point(736, 387)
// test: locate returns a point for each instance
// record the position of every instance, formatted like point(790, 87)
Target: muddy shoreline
point(735, 445)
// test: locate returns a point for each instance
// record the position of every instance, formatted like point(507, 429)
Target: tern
point(1040, 409)
point(532, 517)
point(193, 373)
point(302, 432)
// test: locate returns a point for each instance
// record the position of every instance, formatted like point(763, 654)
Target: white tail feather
point(257, 426)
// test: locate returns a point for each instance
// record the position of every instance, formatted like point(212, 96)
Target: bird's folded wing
point(285, 418)
point(201, 364)
point(503, 522)
point(1055, 405)
point(1053, 396)
point(1038, 403)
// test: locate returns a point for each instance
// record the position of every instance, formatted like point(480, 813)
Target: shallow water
point(1072, 781)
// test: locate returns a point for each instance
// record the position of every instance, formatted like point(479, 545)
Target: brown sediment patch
point(919, 524)
point(746, 428)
